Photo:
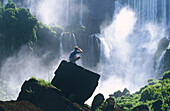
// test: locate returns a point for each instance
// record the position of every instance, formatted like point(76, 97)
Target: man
point(74, 54)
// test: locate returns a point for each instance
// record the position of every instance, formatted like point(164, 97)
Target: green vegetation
point(157, 91)
point(18, 27)
point(44, 83)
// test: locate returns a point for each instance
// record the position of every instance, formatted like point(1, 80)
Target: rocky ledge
point(70, 88)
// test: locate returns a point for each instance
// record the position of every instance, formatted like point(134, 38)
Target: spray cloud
point(127, 53)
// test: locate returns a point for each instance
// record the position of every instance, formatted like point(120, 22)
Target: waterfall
point(128, 51)
point(149, 11)
point(74, 39)
point(67, 42)
point(81, 12)
point(159, 65)
point(91, 53)
point(61, 45)
point(69, 12)
point(93, 48)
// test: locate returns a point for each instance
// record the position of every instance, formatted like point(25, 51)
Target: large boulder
point(76, 82)
point(46, 97)
point(97, 101)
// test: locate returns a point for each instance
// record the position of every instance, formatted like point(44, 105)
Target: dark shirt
point(73, 53)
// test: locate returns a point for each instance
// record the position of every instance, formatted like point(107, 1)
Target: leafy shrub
point(166, 75)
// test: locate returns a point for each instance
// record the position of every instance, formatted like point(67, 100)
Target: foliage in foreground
point(156, 90)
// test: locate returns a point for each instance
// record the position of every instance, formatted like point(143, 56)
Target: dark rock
point(162, 46)
point(141, 108)
point(46, 97)
point(118, 94)
point(157, 105)
point(97, 101)
point(75, 81)
point(126, 92)
point(100, 11)
point(166, 61)
point(18, 106)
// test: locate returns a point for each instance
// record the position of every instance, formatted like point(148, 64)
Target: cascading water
point(81, 12)
point(159, 63)
point(91, 52)
point(67, 42)
point(128, 51)
point(155, 11)
point(69, 12)
point(61, 45)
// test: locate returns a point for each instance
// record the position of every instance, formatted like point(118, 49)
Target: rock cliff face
point(166, 64)
point(162, 57)
point(100, 11)
point(76, 82)
point(46, 98)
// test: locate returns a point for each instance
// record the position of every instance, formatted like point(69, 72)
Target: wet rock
point(97, 101)
point(75, 81)
point(46, 97)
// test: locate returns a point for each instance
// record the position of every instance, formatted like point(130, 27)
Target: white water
point(72, 42)
point(81, 12)
point(61, 45)
point(128, 53)
point(150, 11)
point(91, 52)
point(67, 13)
point(160, 61)
point(67, 39)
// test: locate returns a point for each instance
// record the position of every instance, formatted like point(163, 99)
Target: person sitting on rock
point(74, 54)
